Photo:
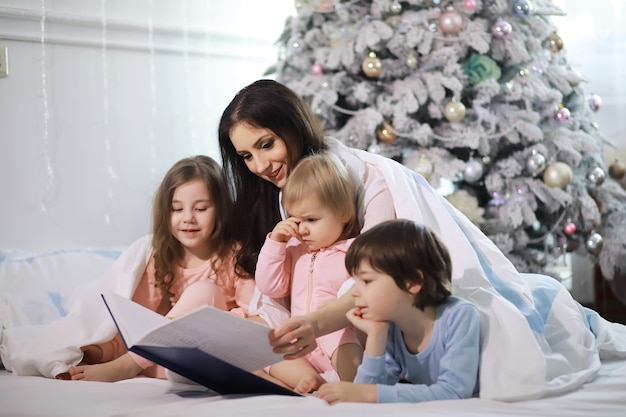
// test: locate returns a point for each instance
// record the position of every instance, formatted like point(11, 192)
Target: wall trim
point(88, 31)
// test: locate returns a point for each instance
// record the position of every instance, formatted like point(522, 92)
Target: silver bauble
point(536, 163)
point(594, 243)
point(473, 171)
point(596, 177)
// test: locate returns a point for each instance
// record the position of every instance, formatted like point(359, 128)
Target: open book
point(209, 346)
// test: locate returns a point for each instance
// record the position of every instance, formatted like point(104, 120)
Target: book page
point(238, 341)
point(133, 320)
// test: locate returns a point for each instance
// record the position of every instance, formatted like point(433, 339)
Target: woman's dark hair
point(410, 253)
point(270, 105)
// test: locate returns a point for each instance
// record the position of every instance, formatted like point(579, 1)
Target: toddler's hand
point(285, 230)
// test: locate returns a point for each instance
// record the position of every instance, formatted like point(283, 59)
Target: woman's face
point(264, 153)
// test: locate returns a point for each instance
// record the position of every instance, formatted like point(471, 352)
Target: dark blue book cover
point(209, 346)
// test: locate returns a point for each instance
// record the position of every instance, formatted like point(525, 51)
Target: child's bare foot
point(270, 378)
point(309, 383)
point(92, 354)
point(121, 368)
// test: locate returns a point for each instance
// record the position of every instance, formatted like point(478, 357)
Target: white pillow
point(59, 271)
point(34, 288)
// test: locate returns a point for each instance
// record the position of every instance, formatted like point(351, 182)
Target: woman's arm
point(296, 337)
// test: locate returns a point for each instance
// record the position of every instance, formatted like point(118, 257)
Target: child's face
point(377, 295)
point(264, 153)
point(193, 216)
point(319, 226)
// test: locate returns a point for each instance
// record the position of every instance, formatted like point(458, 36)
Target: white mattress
point(38, 396)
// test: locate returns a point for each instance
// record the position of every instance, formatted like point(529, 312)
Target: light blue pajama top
point(446, 369)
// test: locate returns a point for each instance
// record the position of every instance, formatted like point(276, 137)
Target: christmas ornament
point(454, 111)
point(395, 8)
point(594, 101)
point(473, 171)
point(324, 6)
point(411, 60)
point(501, 29)
point(536, 163)
point(374, 148)
point(479, 68)
point(295, 45)
point(450, 22)
point(372, 66)
point(594, 243)
point(562, 115)
point(522, 8)
point(423, 167)
point(317, 69)
point(522, 75)
point(617, 170)
point(557, 175)
point(569, 228)
point(385, 133)
point(596, 177)
point(554, 43)
point(470, 5)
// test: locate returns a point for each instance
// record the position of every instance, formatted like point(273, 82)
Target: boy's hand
point(369, 327)
point(285, 230)
point(376, 331)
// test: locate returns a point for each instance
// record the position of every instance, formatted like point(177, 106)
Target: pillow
point(58, 271)
point(34, 287)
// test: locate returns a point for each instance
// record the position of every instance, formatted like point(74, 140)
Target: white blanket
point(536, 340)
point(49, 349)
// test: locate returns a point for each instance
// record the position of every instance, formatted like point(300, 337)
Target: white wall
point(594, 38)
point(93, 116)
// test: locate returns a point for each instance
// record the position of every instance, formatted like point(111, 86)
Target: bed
point(35, 288)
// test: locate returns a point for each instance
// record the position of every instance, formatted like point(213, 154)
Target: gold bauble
point(454, 111)
point(617, 170)
point(557, 175)
point(385, 133)
point(554, 42)
point(424, 167)
point(372, 66)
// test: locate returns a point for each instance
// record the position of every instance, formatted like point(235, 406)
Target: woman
point(267, 129)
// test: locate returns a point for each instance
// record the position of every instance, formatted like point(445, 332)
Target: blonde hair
point(323, 176)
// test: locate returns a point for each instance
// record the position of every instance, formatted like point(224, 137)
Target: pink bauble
point(317, 69)
point(470, 5)
point(595, 102)
point(569, 228)
point(450, 22)
point(501, 29)
point(562, 115)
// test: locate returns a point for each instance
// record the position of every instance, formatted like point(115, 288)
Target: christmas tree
point(478, 97)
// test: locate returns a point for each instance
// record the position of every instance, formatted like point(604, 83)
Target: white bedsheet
point(32, 396)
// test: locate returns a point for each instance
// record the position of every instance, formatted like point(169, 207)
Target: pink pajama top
point(310, 279)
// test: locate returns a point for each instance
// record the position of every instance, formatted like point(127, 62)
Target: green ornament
point(479, 68)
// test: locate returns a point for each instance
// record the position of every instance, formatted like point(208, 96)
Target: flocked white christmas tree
point(478, 97)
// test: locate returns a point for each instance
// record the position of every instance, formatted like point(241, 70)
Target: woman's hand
point(294, 338)
point(334, 392)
